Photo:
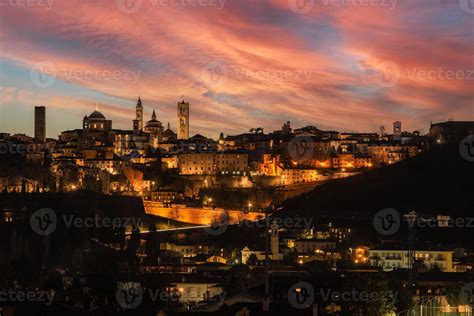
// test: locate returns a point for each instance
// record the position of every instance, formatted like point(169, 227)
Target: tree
point(151, 248)
point(23, 186)
point(134, 242)
point(252, 260)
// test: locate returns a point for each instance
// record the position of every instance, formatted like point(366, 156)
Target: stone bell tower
point(183, 120)
point(138, 121)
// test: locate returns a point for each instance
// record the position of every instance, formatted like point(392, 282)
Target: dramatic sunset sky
point(341, 65)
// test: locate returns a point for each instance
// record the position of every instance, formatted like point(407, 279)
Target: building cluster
point(195, 265)
point(129, 161)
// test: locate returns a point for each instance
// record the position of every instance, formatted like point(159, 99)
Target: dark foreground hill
point(438, 181)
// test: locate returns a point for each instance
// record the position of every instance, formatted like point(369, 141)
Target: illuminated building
point(226, 163)
point(96, 121)
point(138, 121)
point(183, 120)
point(391, 259)
point(298, 175)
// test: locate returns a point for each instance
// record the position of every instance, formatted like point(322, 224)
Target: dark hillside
point(437, 181)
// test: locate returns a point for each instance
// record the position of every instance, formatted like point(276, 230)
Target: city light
point(236, 157)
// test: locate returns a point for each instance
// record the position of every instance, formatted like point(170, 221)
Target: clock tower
point(183, 120)
point(138, 121)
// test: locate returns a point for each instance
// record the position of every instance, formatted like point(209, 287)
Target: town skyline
point(236, 157)
point(173, 124)
point(316, 66)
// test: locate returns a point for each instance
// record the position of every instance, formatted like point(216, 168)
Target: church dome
point(97, 115)
point(154, 122)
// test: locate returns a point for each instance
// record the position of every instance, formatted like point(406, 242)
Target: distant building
point(153, 125)
point(451, 131)
point(298, 175)
point(349, 160)
point(388, 153)
point(40, 124)
point(397, 131)
point(96, 121)
point(390, 259)
point(226, 163)
point(130, 143)
point(286, 129)
point(166, 196)
point(192, 293)
point(312, 245)
point(168, 134)
point(4, 136)
point(274, 253)
point(138, 121)
point(155, 129)
point(183, 120)
point(184, 251)
point(169, 162)
point(271, 166)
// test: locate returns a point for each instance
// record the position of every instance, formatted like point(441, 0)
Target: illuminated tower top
point(183, 120)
